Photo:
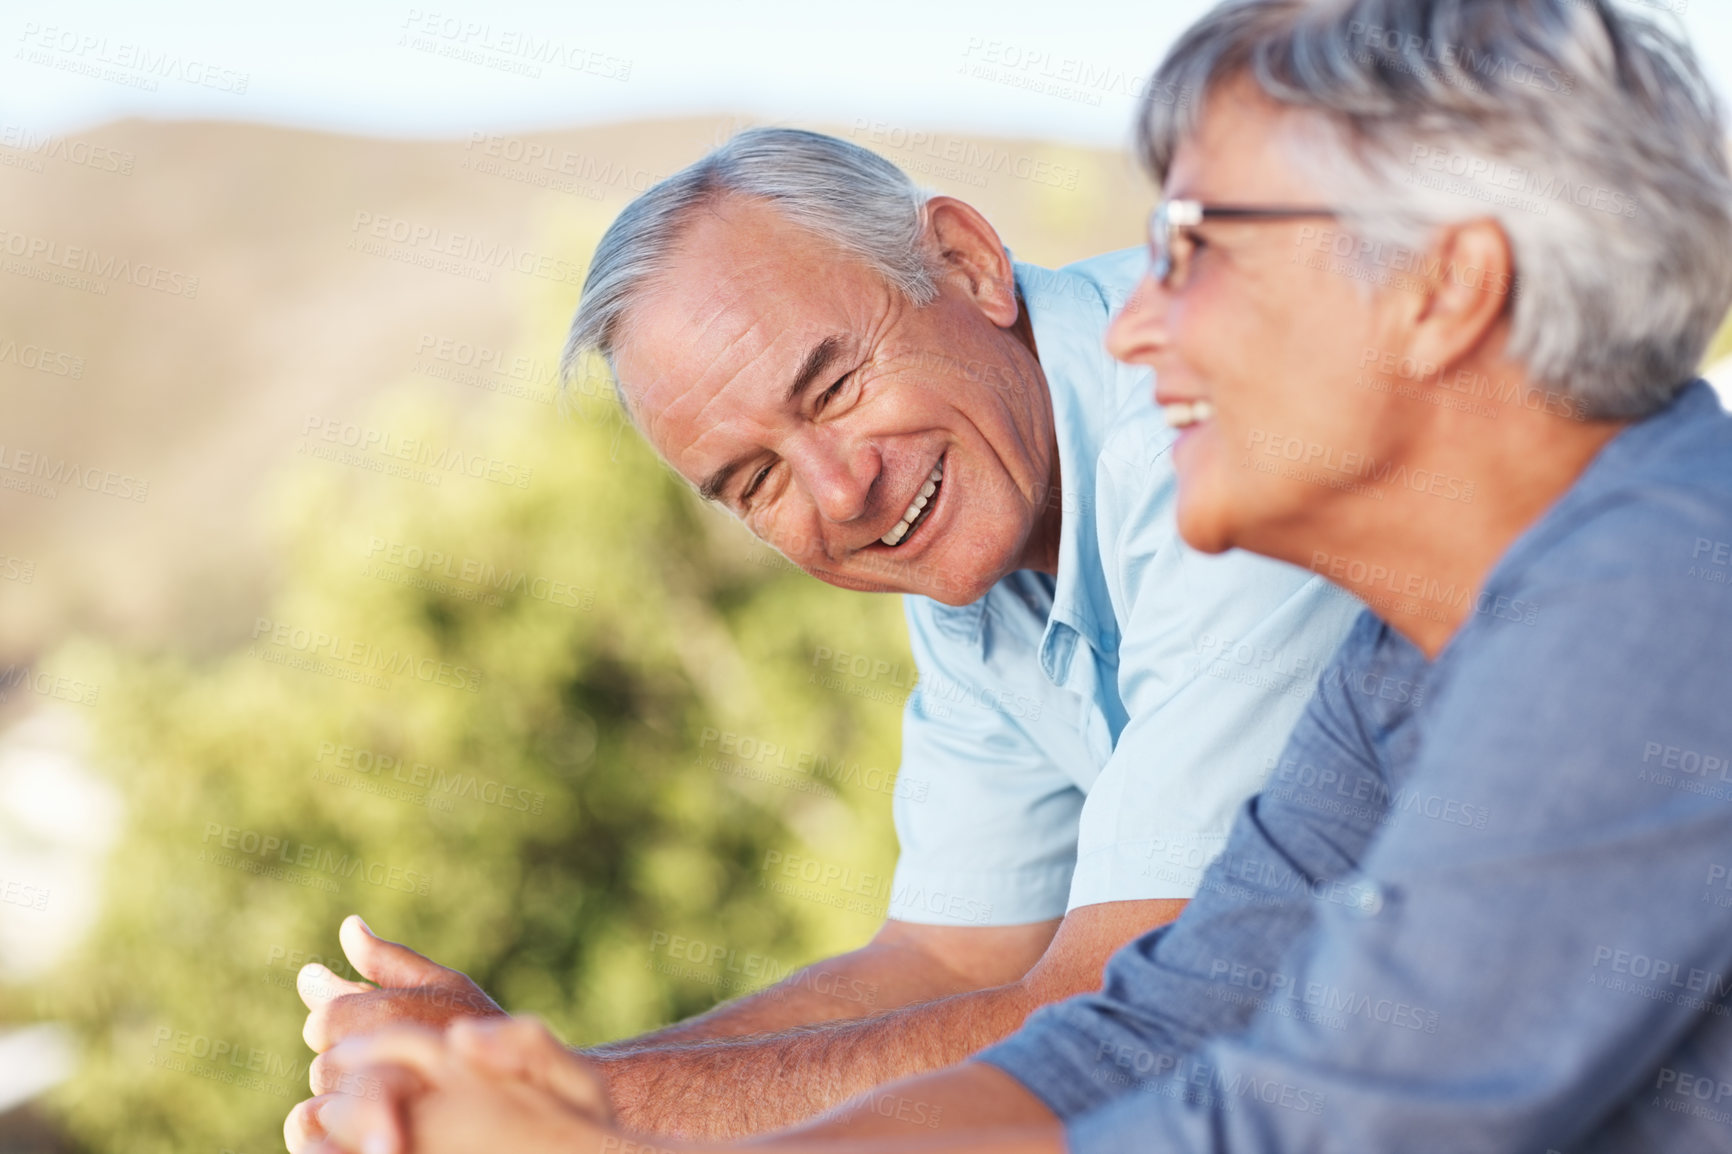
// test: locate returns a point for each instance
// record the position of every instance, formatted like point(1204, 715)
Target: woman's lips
point(1184, 414)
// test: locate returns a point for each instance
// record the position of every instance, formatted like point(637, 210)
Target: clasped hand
point(428, 1063)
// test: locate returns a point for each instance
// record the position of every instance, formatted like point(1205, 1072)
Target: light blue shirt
point(1089, 739)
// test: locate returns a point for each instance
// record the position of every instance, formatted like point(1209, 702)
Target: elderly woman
point(1429, 286)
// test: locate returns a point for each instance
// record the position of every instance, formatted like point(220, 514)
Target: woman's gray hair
point(856, 198)
point(1587, 131)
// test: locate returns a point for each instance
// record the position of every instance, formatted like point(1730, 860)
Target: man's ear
point(1466, 295)
point(969, 255)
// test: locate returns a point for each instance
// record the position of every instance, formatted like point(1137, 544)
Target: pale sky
point(1058, 70)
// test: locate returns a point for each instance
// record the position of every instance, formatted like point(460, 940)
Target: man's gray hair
point(1588, 132)
point(854, 197)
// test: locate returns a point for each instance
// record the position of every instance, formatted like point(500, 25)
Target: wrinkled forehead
point(722, 331)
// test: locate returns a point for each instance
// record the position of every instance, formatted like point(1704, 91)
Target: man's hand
point(411, 990)
point(506, 1084)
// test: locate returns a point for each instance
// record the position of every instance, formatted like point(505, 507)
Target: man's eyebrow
point(822, 355)
point(711, 490)
point(816, 362)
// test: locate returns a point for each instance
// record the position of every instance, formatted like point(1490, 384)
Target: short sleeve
point(987, 819)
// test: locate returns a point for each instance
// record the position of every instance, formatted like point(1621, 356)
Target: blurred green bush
point(540, 726)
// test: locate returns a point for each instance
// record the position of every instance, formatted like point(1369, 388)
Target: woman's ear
point(1467, 293)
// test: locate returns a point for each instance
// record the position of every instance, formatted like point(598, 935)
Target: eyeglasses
point(1172, 241)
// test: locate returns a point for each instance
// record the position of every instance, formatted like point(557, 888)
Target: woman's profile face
point(1275, 333)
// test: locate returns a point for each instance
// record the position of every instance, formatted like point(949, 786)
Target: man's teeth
point(1183, 414)
point(895, 535)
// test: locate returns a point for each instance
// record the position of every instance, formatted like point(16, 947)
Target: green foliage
point(537, 829)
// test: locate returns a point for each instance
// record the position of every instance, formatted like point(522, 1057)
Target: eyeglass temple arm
point(1204, 212)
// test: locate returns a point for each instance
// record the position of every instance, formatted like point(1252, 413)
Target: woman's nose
point(1139, 333)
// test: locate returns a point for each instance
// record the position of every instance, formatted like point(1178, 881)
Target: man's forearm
point(733, 1088)
point(813, 996)
point(860, 984)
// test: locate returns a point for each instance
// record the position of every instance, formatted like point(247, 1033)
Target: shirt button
point(1365, 899)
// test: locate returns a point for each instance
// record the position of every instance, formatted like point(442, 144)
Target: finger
point(301, 1128)
point(367, 1012)
point(318, 985)
point(329, 1077)
point(363, 1124)
point(373, 1010)
point(418, 1050)
point(387, 963)
point(525, 1049)
point(509, 1047)
point(354, 1014)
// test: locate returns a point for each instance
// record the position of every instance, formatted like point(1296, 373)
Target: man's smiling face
point(880, 446)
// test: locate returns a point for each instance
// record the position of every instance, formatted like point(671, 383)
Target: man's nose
point(838, 473)
point(1139, 333)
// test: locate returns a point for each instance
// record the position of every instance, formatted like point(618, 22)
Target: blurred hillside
point(221, 285)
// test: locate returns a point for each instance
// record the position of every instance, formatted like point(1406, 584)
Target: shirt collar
point(1069, 313)
point(1632, 451)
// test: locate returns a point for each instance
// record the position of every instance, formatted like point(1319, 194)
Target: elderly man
point(1479, 906)
point(862, 374)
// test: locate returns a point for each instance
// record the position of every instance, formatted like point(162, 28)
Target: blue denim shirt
point(1089, 739)
point(1485, 903)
